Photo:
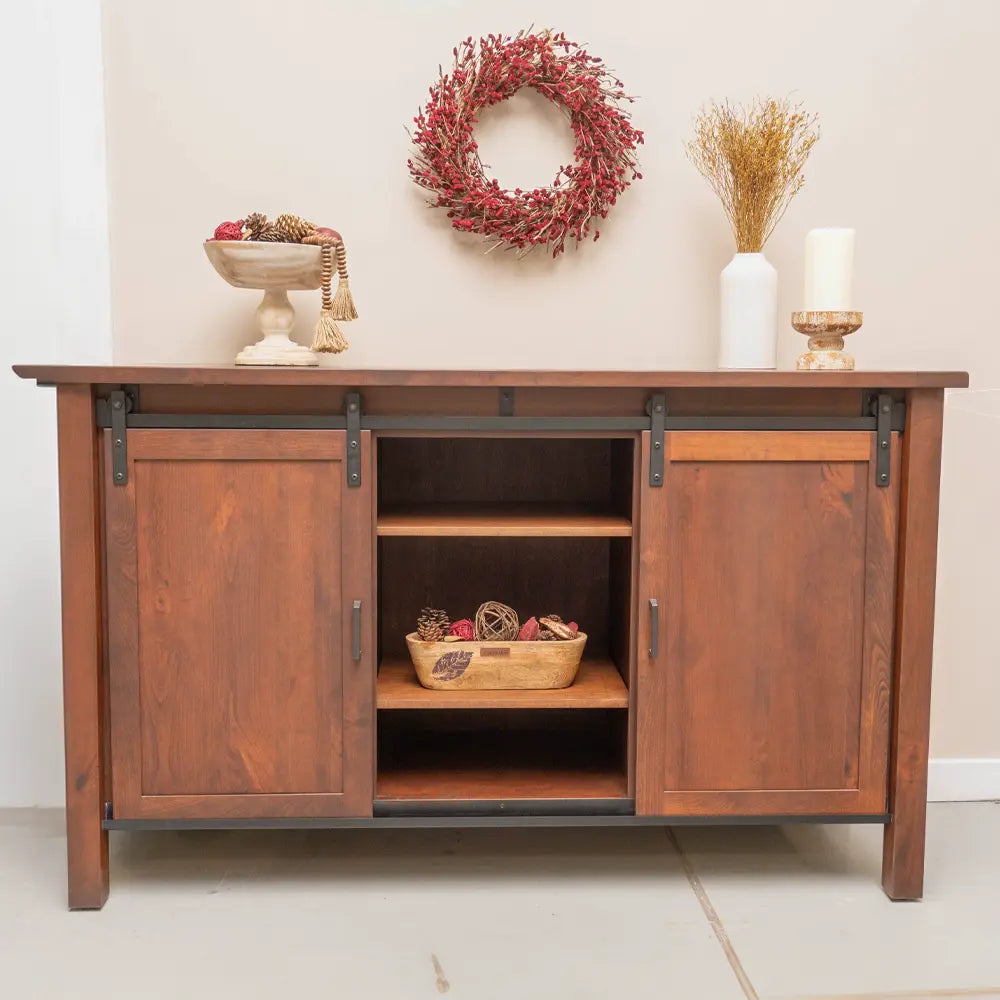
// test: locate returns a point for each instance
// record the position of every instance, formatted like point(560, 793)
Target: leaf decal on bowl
point(451, 666)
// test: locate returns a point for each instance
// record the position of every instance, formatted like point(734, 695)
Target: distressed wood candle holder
point(826, 332)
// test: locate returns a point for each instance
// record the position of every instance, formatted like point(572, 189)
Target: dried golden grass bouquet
point(753, 159)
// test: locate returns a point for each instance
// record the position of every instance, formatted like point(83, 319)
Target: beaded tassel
point(328, 338)
point(343, 302)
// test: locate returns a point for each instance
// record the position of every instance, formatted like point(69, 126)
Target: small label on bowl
point(495, 651)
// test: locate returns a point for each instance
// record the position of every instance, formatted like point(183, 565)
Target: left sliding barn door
point(241, 665)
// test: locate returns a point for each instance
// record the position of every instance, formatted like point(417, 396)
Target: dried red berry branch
point(446, 159)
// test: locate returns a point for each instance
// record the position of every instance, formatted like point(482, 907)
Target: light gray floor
point(719, 914)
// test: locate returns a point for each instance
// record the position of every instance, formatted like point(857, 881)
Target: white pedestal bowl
point(275, 269)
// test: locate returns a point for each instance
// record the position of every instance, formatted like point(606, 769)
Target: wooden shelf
point(597, 685)
point(501, 520)
point(448, 781)
point(499, 760)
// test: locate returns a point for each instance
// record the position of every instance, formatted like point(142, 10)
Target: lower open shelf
point(521, 754)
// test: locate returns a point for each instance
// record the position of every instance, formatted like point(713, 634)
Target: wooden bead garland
point(496, 622)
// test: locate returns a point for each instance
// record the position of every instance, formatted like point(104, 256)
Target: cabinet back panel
point(497, 470)
point(536, 576)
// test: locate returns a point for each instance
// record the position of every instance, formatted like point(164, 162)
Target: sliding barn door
point(769, 561)
point(241, 674)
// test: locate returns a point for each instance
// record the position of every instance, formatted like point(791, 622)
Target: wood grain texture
point(82, 635)
point(768, 446)
point(243, 375)
point(484, 400)
point(774, 590)
point(425, 777)
point(236, 446)
point(903, 843)
point(598, 685)
point(234, 557)
point(513, 520)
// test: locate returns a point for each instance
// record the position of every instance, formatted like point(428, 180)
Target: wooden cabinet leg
point(903, 844)
point(83, 701)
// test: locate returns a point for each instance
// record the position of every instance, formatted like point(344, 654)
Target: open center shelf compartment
point(541, 524)
point(514, 754)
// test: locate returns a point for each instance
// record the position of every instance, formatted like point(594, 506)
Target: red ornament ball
point(228, 231)
point(463, 628)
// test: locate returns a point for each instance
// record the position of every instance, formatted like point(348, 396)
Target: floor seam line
point(715, 922)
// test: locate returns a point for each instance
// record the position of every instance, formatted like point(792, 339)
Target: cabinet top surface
point(714, 379)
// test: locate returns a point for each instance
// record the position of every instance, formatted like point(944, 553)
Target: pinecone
point(254, 225)
point(432, 625)
point(294, 227)
point(272, 234)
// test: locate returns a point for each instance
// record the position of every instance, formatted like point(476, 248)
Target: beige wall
point(222, 107)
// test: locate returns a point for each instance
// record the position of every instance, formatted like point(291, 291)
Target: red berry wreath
point(447, 164)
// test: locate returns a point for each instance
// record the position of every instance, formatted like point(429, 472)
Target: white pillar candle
point(829, 270)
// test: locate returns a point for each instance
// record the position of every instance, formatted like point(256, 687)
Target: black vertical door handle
point(356, 643)
point(654, 627)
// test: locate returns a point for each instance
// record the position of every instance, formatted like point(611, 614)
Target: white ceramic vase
point(749, 298)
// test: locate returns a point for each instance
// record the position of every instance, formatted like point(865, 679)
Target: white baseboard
point(963, 779)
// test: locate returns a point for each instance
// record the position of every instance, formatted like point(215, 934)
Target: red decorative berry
point(529, 630)
point(228, 231)
point(463, 628)
point(573, 626)
point(326, 231)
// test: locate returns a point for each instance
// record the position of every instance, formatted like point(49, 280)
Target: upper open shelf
point(522, 520)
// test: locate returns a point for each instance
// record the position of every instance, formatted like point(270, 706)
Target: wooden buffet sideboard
point(244, 549)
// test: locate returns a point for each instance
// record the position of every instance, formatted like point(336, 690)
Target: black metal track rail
point(782, 423)
point(307, 421)
point(433, 423)
point(122, 411)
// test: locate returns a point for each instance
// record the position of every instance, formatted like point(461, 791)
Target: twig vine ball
point(496, 622)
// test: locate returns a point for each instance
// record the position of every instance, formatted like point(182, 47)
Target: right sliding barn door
point(767, 580)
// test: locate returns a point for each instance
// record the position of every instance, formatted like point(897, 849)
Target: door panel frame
point(358, 699)
point(882, 506)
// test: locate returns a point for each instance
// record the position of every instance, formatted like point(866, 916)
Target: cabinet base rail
point(465, 820)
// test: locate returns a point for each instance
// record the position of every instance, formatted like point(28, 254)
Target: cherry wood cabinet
point(752, 555)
